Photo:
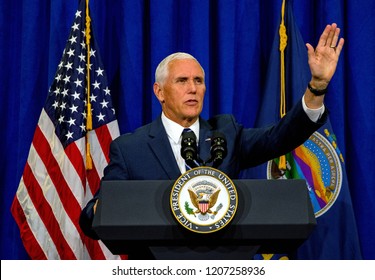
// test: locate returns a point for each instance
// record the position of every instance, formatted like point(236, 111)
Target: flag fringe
point(283, 44)
point(89, 113)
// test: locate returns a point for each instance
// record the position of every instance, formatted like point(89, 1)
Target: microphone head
point(189, 146)
point(218, 148)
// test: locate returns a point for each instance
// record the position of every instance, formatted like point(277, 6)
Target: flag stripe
point(101, 138)
point(73, 152)
point(99, 160)
point(93, 180)
point(63, 190)
point(33, 222)
point(95, 250)
point(31, 244)
point(113, 129)
point(46, 215)
point(103, 134)
point(52, 198)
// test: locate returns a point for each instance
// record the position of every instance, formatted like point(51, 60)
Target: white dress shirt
point(174, 131)
point(313, 114)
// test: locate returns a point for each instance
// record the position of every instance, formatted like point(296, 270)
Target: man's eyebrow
point(182, 77)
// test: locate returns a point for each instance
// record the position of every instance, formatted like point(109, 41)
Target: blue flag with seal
point(318, 161)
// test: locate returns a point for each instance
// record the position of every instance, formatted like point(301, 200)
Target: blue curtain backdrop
point(231, 39)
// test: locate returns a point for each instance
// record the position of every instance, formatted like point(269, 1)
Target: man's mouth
point(191, 102)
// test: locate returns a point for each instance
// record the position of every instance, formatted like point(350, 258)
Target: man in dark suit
point(152, 152)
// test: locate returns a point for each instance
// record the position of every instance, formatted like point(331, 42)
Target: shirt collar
point(174, 130)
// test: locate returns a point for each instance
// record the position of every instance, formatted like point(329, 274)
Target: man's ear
point(158, 92)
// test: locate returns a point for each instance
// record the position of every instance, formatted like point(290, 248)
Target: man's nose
point(192, 86)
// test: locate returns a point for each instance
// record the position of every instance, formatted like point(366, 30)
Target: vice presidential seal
point(204, 200)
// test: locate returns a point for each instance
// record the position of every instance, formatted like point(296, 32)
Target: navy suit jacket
point(146, 154)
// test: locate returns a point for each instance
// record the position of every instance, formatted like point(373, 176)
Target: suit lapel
point(160, 146)
point(204, 139)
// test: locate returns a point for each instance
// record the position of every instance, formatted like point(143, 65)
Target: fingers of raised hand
point(330, 38)
point(333, 36)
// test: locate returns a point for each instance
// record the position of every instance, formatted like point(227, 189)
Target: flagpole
point(89, 114)
point(283, 44)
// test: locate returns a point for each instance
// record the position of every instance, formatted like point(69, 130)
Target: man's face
point(183, 91)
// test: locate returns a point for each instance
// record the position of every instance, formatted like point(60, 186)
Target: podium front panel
point(275, 215)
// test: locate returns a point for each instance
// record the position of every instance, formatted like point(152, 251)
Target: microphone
point(218, 148)
point(189, 148)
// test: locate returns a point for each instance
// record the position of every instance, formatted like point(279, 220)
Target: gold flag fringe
point(89, 113)
point(282, 46)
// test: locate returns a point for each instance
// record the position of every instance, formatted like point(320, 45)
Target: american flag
point(55, 184)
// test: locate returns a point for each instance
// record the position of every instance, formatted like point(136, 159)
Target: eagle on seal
point(203, 201)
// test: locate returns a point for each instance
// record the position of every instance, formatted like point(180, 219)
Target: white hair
point(162, 71)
